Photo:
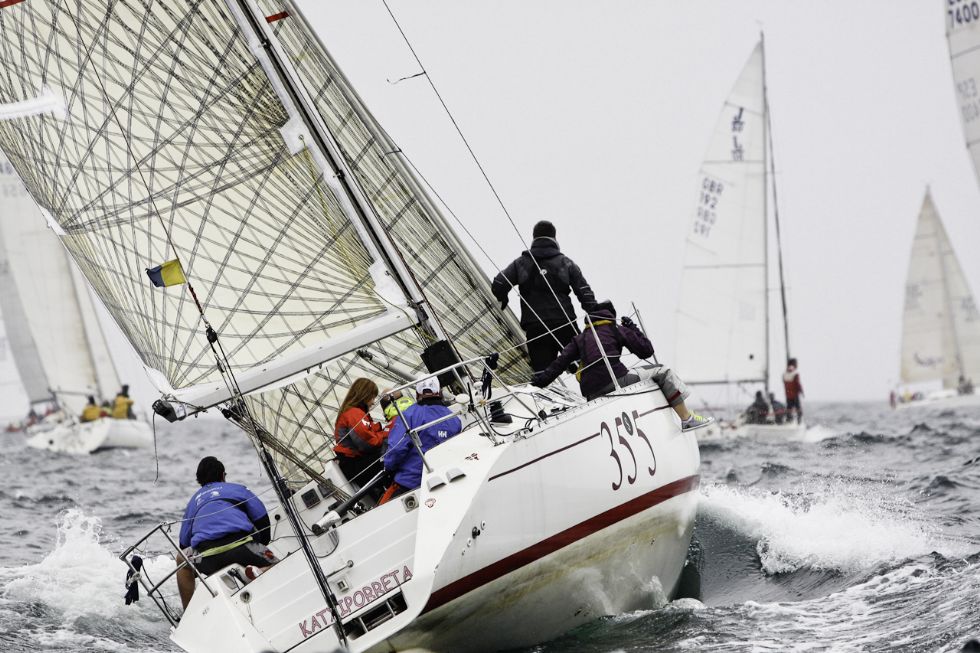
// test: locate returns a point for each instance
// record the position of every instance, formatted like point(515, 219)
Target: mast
point(765, 203)
point(771, 174)
point(281, 70)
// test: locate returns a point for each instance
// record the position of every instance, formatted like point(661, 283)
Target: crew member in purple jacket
point(594, 381)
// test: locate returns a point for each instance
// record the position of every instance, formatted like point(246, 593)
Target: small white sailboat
point(225, 135)
point(58, 346)
point(940, 322)
point(723, 318)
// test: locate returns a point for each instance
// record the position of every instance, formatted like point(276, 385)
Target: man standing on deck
point(544, 278)
point(794, 390)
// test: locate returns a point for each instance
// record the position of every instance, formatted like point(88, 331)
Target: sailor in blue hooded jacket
point(402, 460)
point(224, 524)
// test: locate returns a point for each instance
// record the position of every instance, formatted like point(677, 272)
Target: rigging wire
point(425, 73)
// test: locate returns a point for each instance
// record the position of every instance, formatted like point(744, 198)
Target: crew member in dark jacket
point(545, 309)
point(601, 328)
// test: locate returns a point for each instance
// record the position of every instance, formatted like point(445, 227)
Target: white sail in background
point(940, 324)
point(13, 400)
point(293, 216)
point(60, 349)
point(14, 197)
point(963, 34)
point(721, 322)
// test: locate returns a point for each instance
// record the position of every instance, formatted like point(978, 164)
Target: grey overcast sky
point(596, 114)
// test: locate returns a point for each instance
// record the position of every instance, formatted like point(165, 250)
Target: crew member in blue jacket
point(402, 460)
point(224, 523)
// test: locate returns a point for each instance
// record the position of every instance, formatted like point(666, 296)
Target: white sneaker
point(695, 421)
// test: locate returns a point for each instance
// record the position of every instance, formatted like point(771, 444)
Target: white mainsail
point(963, 36)
point(295, 219)
point(940, 324)
point(59, 347)
point(722, 323)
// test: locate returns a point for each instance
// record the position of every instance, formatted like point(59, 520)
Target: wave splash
point(828, 525)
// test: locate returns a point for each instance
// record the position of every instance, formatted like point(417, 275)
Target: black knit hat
point(210, 470)
point(544, 229)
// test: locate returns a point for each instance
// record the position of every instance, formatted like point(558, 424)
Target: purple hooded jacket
point(595, 377)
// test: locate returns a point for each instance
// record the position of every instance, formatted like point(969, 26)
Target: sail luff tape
point(46, 102)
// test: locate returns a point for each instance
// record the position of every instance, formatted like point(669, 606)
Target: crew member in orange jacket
point(794, 390)
point(358, 437)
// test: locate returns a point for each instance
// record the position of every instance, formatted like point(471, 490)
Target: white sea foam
point(847, 527)
point(79, 577)
point(818, 432)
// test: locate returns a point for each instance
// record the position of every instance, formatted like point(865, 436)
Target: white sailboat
point(723, 317)
point(58, 345)
point(225, 135)
point(963, 37)
point(940, 323)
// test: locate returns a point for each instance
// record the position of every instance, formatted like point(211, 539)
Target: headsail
point(940, 324)
point(181, 138)
point(963, 35)
point(721, 320)
point(59, 346)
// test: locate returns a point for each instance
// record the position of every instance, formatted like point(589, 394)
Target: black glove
point(503, 304)
point(539, 380)
point(628, 322)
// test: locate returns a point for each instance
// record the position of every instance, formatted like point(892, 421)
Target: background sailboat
point(724, 325)
point(940, 323)
point(58, 343)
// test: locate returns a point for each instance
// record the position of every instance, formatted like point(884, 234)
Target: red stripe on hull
point(552, 453)
point(558, 541)
point(10, 3)
point(274, 17)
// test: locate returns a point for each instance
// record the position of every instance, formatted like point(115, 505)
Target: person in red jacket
point(794, 390)
point(358, 437)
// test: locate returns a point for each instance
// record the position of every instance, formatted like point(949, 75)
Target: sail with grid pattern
point(181, 137)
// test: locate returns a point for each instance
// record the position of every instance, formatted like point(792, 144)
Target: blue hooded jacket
point(402, 459)
point(218, 510)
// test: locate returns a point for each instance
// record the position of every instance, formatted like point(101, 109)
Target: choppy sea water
point(865, 536)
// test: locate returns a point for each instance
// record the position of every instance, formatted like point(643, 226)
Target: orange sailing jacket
point(357, 434)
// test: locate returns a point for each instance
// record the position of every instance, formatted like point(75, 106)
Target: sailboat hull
point(634, 564)
point(722, 430)
point(941, 400)
point(90, 437)
point(505, 544)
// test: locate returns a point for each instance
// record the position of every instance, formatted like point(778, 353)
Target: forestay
point(940, 324)
point(58, 343)
point(721, 320)
point(180, 138)
point(963, 34)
